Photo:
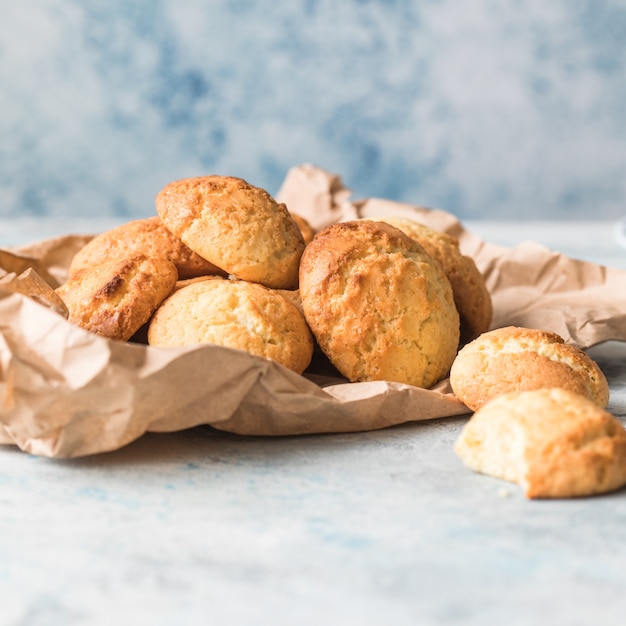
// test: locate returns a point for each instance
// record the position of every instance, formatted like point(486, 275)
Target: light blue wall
point(485, 108)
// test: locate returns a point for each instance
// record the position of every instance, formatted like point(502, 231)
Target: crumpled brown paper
point(67, 393)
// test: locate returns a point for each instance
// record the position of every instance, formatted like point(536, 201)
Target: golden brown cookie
point(471, 296)
point(517, 359)
point(552, 442)
point(235, 314)
point(235, 226)
point(144, 236)
point(116, 298)
point(380, 307)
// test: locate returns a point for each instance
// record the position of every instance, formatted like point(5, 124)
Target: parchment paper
point(67, 393)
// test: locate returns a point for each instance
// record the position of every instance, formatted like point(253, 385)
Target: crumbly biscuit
point(517, 359)
point(114, 299)
point(471, 296)
point(235, 314)
point(379, 306)
point(554, 443)
point(143, 236)
point(306, 230)
point(235, 226)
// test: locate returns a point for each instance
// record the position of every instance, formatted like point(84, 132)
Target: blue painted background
point(485, 108)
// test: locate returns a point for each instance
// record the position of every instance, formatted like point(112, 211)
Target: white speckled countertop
point(387, 527)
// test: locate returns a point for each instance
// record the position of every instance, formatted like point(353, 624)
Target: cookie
point(143, 236)
point(379, 306)
point(116, 298)
point(235, 314)
point(517, 359)
point(554, 443)
point(472, 299)
point(236, 226)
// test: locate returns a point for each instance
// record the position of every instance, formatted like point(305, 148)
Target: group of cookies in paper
point(389, 299)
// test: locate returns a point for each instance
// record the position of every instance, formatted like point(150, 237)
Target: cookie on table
point(554, 443)
point(236, 226)
point(517, 359)
point(143, 236)
point(114, 299)
point(379, 306)
point(235, 314)
point(471, 296)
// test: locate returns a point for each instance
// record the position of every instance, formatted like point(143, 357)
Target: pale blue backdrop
point(485, 108)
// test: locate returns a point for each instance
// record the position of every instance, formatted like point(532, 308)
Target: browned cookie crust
point(471, 296)
point(379, 306)
point(235, 314)
point(236, 226)
point(517, 359)
point(144, 236)
point(116, 298)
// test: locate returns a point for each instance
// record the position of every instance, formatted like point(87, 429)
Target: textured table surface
point(386, 527)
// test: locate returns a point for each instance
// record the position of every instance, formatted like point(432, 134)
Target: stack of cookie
point(223, 263)
point(208, 268)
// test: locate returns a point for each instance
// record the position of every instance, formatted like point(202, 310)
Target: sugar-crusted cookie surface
point(236, 226)
point(116, 298)
point(517, 359)
point(235, 314)
point(552, 442)
point(379, 306)
point(471, 296)
point(143, 236)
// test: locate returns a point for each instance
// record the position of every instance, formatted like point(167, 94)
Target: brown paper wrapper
point(68, 393)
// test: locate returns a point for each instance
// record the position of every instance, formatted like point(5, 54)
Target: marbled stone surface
point(387, 527)
point(376, 528)
point(488, 109)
